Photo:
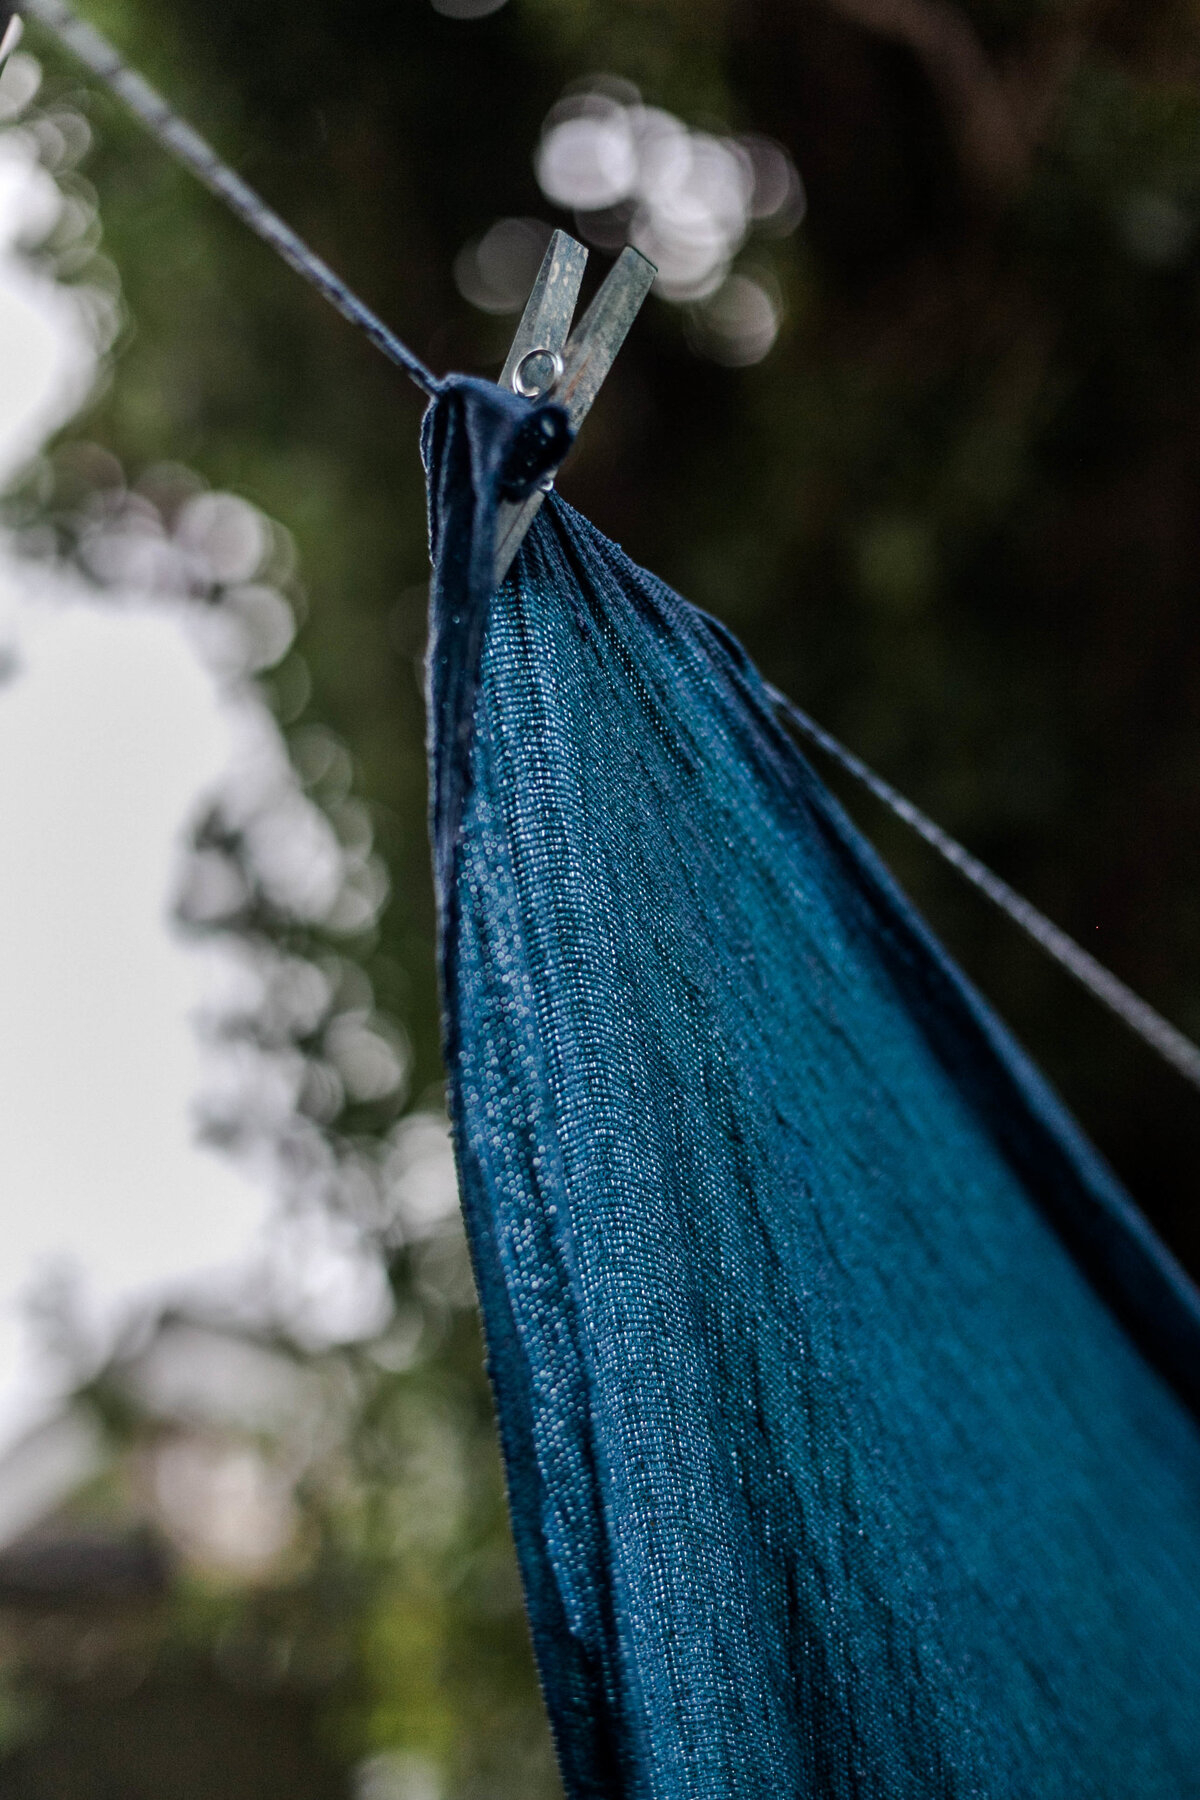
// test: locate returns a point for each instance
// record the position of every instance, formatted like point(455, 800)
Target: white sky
point(110, 733)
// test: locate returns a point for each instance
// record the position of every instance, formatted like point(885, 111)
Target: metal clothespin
point(548, 361)
point(11, 27)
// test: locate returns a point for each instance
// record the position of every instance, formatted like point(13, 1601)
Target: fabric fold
point(847, 1402)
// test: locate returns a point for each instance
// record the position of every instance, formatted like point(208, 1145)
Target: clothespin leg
point(532, 363)
point(11, 35)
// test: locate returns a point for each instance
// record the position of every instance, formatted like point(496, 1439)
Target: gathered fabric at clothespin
point(548, 361)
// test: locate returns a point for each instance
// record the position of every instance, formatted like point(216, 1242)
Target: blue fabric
point(848, 1405)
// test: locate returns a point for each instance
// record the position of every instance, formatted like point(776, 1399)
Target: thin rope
point(178, 137)
point(1141, 1018)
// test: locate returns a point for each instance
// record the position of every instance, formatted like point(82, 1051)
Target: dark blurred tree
point(955, 511)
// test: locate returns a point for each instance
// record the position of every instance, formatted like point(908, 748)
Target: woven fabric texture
point(849, 1408)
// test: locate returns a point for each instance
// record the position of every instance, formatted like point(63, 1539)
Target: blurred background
point(915, 409)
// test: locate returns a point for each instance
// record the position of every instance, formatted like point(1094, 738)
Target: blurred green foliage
point(955, 512)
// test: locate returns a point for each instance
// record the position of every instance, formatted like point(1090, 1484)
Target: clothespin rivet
point(536, 386)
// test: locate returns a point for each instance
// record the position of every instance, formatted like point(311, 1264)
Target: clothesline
point(1101, 983)
point(179, 138)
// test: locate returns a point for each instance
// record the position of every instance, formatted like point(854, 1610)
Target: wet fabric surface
point(848, 1407)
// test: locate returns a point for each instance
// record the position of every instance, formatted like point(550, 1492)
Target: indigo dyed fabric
point(848, 1407)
